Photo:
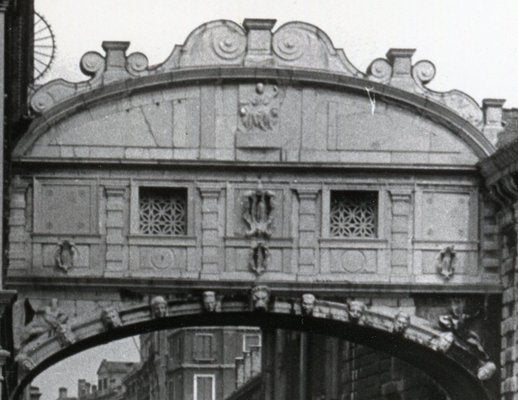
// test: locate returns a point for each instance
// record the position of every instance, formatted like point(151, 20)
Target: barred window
point(353, 214)
point(163, 211)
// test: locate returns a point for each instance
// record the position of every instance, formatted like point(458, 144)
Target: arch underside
point(453, 368)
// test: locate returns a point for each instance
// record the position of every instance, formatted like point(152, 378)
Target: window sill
point(162, 240)
point(355, 243)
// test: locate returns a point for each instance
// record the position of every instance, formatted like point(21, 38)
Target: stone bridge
point(257, 177)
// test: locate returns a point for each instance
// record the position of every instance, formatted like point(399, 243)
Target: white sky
point(83, 366)
point(473, 44)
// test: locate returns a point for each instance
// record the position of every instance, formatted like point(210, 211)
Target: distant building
point(190, 363)
point(110, 375)
point(63, 394)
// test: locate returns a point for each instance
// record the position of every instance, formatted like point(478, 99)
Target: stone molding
point(417, 332)
point(72, 104)
point(293, 46)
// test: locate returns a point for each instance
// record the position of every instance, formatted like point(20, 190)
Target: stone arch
point(415, 341)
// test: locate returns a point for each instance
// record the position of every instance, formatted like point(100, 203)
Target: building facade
point(256, 177)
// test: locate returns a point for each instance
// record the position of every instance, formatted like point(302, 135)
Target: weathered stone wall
point(417, 218)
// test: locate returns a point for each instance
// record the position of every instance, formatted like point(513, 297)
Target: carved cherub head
point(260, 298)
point(209, 301)
point(158, 307)
point(401, 322)
point(308, 304)
point(110, 318)
point(356, 309)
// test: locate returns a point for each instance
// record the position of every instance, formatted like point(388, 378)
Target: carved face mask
point(260, 298)
point(159, 307)
point(401, 322)
point(209, 301)
point(308, 304)
point(356, 310)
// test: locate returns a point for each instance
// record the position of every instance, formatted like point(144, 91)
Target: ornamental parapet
point(293, 46)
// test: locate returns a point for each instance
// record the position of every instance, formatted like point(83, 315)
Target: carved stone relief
point(110, 318)
point(445, 262)
point(456, 325)
point(401, 323)
point(211, 303)
point(258, 206)
point(356, 310)
point(260, 297)
point(308, 304)
point(65, 254)
point(50, 319)
point(259, 110)
point(158, 307)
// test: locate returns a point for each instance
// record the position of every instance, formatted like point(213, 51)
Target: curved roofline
point(481, 146)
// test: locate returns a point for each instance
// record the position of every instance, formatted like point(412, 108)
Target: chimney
point(81, 388)
point(34, 393)
point(63, 393)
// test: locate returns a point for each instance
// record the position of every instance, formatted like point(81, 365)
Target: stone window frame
point(255, 335)
point(195, 384)
point(134, 229)
point(196, 350)
point(380, 216)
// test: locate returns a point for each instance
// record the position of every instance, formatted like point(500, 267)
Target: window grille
point(163, 211)
point(353, 214)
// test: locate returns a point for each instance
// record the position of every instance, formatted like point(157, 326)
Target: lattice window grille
point(353, 215)
point(163, 211)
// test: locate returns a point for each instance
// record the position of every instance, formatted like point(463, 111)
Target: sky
point(473, 44)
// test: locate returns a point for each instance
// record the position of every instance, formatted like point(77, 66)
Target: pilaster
point(400, 233)
point(114, 228)
point(308, 230)
point(210, 229)
point(17, 227)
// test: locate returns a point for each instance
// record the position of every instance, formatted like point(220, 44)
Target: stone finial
point(259, 41)
point(493, 126)
point(401, 62)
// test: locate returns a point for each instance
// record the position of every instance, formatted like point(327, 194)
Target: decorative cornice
point(293, 46)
